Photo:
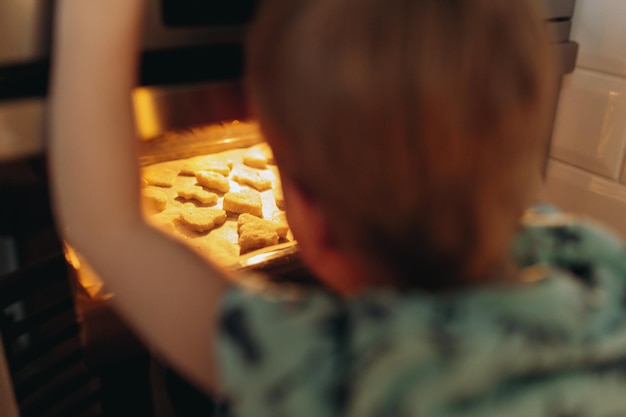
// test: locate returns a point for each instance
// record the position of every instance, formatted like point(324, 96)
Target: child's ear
point(317, 243)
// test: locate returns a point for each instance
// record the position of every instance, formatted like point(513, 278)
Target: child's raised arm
point(166, 292)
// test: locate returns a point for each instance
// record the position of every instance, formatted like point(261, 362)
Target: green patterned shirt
point(552, 346)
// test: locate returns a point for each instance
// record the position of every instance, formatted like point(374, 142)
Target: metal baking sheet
point(220, 244)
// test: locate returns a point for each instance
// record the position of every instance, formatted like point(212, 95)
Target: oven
point(191, 109)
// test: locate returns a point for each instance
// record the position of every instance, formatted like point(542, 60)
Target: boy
point(407, 134)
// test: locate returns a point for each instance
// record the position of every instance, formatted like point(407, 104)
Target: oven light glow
point(146, 115)
point(86, 277)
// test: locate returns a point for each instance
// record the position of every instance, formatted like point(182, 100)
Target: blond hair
point(415, 125)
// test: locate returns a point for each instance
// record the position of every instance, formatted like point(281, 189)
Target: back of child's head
point(415, 126)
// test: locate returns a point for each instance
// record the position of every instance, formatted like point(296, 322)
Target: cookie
point(279, 198)
point(279, 225)
point(198, 194)
point(266, 150)
point(255, 158)
point(255, 233)
point(159, 177)
point(253, 178)
point(213, 181)
point(211, 164)
point(282, 228)
point(245, 201)
point(153, 200)
point(202, 219)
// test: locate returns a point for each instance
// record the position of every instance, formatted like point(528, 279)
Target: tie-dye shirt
point(554, 345)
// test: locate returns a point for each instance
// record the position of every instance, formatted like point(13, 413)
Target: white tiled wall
point(586, 172)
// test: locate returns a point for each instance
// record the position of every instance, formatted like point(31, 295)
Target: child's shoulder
point(550, 236)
